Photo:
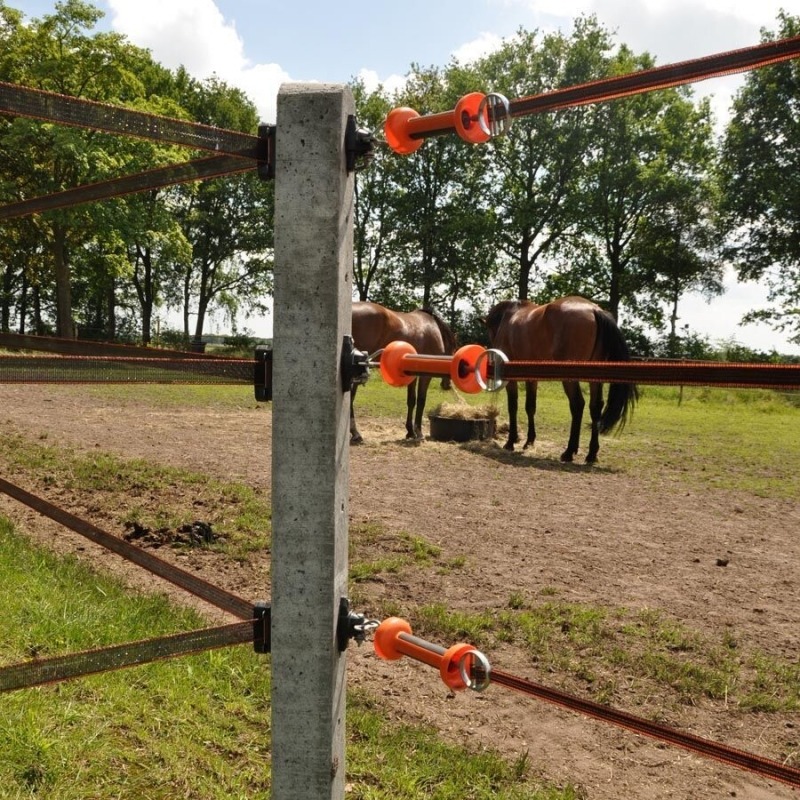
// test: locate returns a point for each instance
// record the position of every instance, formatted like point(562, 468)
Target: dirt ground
point(522, 523)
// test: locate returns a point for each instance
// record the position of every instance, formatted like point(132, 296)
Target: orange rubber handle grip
point(400, 364)
point(394, 639)
point(405, 130)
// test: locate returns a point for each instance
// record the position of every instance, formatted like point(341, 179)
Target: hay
point(464, 411)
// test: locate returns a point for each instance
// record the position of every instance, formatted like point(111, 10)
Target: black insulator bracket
point(262, 373)
point(354, 369)
point(352, 626)
point(359, 145)
point(355, 365)
point(266, 164)
point(262, 622)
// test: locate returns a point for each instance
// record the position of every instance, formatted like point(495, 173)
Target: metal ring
point(374, 359)
point(497, 110)
point(496, 359)
point(486, 667)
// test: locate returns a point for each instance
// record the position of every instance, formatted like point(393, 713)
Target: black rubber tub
point(453, 429)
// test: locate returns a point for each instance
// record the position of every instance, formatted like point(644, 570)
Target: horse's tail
point(448, 337)
point(448, 340)
point(622, 397)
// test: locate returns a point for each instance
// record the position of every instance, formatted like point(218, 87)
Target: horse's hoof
point(591, 458)
point(357, 439)
point(509, 446)
point(566, 457)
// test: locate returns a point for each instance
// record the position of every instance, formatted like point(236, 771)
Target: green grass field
point(198, 727)
point(195, 726)
point(740, 439)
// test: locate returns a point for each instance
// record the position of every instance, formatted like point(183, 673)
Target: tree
point(372, 196)
point(760, 179)
point(56, 53)
point(228, 222)
point(644, 202)
point(537, 165)
point(429, 193)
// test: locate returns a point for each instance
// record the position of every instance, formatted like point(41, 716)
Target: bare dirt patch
point(520, 524)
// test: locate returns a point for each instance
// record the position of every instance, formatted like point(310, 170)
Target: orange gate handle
point(400, 364)
point(394, 639)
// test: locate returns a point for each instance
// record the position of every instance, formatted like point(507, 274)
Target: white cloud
point(672, 30)
point(392, 84)
point(477, 48)
point(194, 34)
point(261, 83)
point(746, 10)
point(553, 8)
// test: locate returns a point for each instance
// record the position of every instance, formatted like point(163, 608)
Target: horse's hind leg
point(530, 411)
point(411, 401)
point(512, 396)
point(576, 406)
point(422, 396)
point(595, 409)
point(355, 436)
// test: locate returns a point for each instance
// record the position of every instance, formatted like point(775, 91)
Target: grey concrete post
point(310, 440)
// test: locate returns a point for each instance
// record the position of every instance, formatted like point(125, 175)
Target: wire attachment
point(460, 666)
point(352, 626)
point(489, 375)
point(400, 364)
point(494, 115)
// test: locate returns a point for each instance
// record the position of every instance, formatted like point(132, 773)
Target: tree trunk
point(202, 308)
point(111, 310)
point(145, 291)
point(64, 324)
point(525, 266)
point(23, 303)
point(38, 325)
point(186, 297)
point(5, 300)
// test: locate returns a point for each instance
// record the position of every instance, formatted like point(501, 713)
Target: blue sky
point(260, 44)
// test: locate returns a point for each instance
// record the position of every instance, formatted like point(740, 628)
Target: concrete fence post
point(310, 440)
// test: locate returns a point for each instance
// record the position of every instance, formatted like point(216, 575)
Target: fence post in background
point(310, 439)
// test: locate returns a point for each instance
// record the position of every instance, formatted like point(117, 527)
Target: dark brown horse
point(375, 326)
point(567, 329)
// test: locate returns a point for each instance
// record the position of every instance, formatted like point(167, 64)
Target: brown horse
point(375, 326)
point(567, 329)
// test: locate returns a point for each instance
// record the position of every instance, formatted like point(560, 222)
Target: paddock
point(524, 524)
point(310, 540)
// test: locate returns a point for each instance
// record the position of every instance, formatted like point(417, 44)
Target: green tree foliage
point(58, 54)
point(435, 238)
point(613, 200)
point(536, 167)
point(104, 269)
point(371, 231)
point(228, 222)
point(644, 203)
point(760, 178)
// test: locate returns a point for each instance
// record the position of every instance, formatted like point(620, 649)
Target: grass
point(595, 645)
point(738, 440)
point(198, 726)
point(145, 732)
point(375, 551)
point(194, 726)
point(744, 440)
point(240, 517)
